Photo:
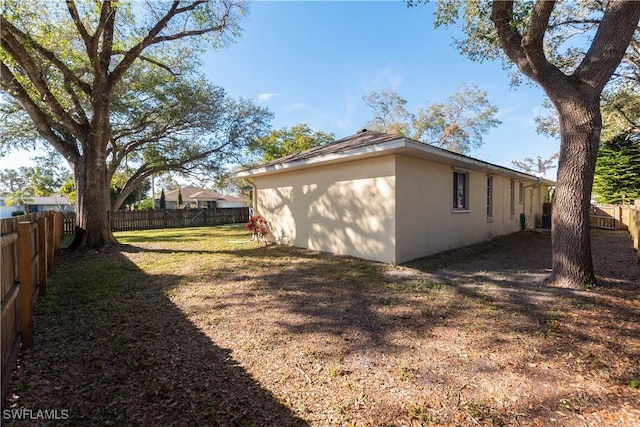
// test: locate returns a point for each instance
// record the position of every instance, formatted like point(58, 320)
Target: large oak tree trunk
point(93, 227)
point(93, 201)
point(580, 126)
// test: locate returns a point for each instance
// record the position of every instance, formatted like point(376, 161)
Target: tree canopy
point(108, 82)
point(457, 124)
point(283, 142)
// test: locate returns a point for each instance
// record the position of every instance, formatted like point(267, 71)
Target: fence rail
point(27, 243)
point(602, 221)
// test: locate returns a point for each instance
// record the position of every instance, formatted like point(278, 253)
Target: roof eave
point(401, 145)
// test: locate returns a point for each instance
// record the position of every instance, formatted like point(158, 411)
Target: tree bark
point(580, 126)
point(93, 225)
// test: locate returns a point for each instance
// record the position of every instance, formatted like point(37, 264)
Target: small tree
point(19, 198)
point(145, 205)
point(179, 201)
point(617, 177)
point(163, 200)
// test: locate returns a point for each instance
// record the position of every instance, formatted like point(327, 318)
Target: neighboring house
point(197, 198)
point(38, 204)
point(387, 198)
point(228, 201)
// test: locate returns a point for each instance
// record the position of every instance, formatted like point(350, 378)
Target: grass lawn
point(202, 326)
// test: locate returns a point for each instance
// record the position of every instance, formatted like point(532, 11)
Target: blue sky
point(313, 61)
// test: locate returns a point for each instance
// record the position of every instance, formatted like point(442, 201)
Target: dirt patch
point(200, 331)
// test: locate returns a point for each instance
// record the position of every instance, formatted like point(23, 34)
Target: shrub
point(258, 226)
point(145, 205)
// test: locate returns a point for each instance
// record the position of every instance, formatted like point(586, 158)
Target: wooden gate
point(605, 216)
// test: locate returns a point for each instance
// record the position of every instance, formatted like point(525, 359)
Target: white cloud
point(263, 97)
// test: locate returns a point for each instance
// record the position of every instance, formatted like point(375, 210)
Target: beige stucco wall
point(426, 222)
point(392, 208)
point(346, 209)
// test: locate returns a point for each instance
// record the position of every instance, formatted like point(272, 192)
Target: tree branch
point(533, 41)
point(510, 38)
point(151, 61)
point(86, 38)
point(609, 44)
point(153, 38)
point(136, 50)
point(40, 119)
point(20, 55)
point(107, 34)
point(9, 30)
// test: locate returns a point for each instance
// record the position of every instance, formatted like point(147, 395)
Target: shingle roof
point(369, 141)
point(191, 193)
point(230, 198)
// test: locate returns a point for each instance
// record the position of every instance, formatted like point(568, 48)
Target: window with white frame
point(489, 196)
point(460, 190)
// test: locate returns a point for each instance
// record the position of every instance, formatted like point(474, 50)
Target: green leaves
point(283, 142)
point(457, 124)
point(617, 177)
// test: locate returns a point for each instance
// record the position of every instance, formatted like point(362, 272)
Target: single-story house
point(37, 204)
point(197, 198)
point(229, 201)
point(388, 198)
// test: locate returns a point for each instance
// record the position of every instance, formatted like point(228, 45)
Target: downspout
point(253, 199)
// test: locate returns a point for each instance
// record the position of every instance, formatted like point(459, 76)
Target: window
point(460, 200)
point(512, 198)
point(489, 196)
point(521, 193)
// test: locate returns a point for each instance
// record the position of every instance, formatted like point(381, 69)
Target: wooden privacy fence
point(27, 249)
point(175, 218)
point(168, 218)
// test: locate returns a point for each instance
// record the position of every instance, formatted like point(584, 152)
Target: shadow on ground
point(482, 315)
point(469, 337)
point(117, 351)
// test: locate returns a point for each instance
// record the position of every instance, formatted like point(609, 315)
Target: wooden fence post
point(26, 283)
point(57, 229)
point(636, 226)
point(42, 253)
point(51, 247)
